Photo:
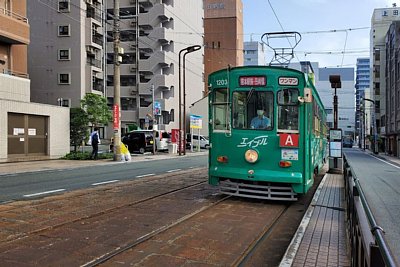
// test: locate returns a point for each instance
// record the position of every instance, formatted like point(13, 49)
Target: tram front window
point(253, 110)
point(288, 109)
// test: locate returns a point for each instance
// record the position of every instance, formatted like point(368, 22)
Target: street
point(38, 184)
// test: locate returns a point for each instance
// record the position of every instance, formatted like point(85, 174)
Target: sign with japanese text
point(116, 117)
point(252, 81)
point(196, 122)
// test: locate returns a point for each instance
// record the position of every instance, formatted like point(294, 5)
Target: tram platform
point(321, 237)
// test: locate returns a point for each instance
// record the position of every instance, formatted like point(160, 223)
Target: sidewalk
point(42, 165)
point(321, 237)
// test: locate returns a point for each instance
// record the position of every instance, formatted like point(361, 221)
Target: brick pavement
point(321, 237)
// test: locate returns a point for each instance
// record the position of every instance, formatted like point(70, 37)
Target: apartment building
point(153, 33)
point(29, 131)
point(223, 35)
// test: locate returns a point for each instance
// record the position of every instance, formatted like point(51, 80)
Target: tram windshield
point(288, 109)
point(253, 110)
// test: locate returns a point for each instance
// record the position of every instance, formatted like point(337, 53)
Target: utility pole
point(154, 119)
point(117, 85)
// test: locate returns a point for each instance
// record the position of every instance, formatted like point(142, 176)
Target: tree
point(96, 109)
point(79, 121)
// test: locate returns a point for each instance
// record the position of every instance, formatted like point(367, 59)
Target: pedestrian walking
point(95, 141)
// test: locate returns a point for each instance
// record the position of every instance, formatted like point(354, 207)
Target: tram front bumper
point(218, 172)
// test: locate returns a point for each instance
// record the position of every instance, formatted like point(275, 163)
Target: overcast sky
point(351, 19)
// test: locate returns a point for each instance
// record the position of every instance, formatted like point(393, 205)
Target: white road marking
point(145, 175)
point(386, 162)
point(44, 193)
point(106, 182)
point(174, 170)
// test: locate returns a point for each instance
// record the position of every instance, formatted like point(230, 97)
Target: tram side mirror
point(307, 98)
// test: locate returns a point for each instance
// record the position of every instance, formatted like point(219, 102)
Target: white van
point(204, 142)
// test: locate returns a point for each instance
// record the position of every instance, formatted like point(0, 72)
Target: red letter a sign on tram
point(288, 140)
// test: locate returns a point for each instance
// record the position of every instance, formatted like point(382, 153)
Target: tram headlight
point(251, 156)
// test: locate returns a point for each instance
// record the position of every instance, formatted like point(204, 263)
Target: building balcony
point(128, 115)
point(14, 28)
point(94, 62)
point(125, 91)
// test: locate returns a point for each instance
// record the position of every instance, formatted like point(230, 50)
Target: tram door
point(27, 135)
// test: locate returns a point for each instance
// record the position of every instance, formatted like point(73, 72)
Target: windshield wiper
point(249, 95)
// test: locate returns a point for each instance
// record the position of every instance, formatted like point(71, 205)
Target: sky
point(327, 27)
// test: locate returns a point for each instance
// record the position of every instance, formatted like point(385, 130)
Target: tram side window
point(221, 110)
point(253, 110)
point(288, 109)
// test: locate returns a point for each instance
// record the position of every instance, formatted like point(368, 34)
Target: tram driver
point(260, 121)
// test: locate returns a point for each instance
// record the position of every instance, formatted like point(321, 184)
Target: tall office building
point(254, 54)
point(380, 23)
point(223, 35)
point(28, 131)
point(362, 85)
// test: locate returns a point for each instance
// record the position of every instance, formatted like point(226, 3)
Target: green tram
point(268, 133)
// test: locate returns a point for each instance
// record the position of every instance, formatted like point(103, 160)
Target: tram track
point(243, 259)
point(53, 200)
point(142, 239)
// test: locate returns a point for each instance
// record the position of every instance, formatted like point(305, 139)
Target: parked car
point(138, 141)
point(204, 142)
point(347, 142)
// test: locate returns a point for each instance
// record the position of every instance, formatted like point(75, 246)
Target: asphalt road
point(31, 185)
point(380, 182)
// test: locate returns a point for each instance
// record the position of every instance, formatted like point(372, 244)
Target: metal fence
point(368, 247)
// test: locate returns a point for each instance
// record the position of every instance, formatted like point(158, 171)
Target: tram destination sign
point(252, 80)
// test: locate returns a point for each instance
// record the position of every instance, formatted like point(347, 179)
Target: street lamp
point(335, 83)
point(186, 51)
point(373, 119)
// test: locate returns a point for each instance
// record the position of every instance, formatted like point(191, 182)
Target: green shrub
point(86, 156)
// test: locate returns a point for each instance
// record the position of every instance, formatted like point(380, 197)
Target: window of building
point(395, 12)
point(128, 104)
point(63, 6)
point(64, 30)
point(63, 102)
point(64, 54)
point(64, 78)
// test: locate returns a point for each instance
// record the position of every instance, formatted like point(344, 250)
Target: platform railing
point(367, 244)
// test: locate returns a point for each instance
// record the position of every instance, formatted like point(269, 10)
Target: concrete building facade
point(67, 48)
point(380, 22)
point(151, 60)
point(29, 131)
point(223, 35)
point(392, 92)
point(75, 52)
point(254, 54)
